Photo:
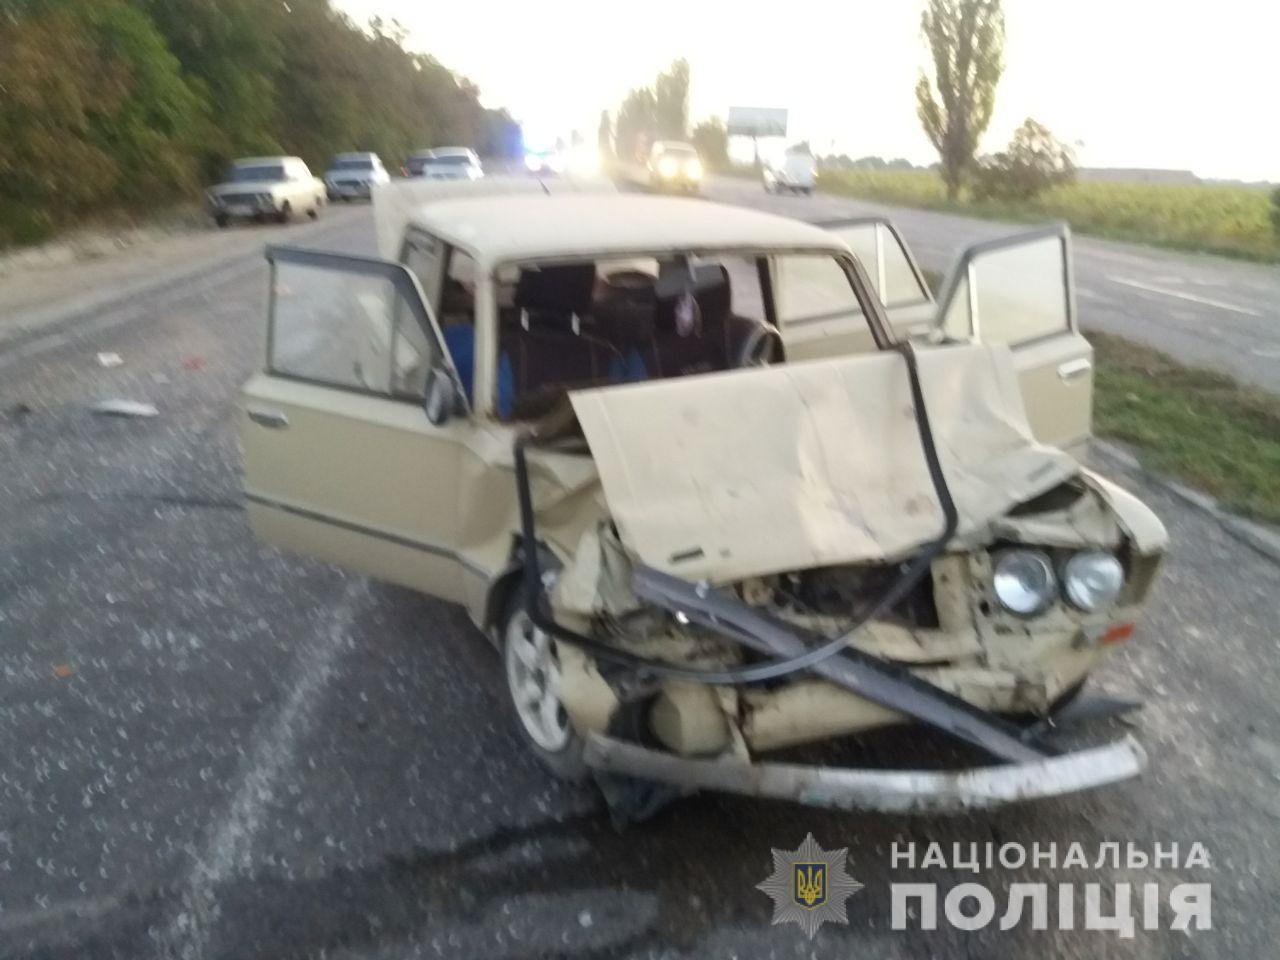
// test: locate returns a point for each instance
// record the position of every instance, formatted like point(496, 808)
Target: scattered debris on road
point(125, 408)
point(109, 360)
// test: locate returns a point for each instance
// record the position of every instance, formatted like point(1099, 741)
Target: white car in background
point(797, 173)
point(355, 175)
point(444, 163)
point(259, 188)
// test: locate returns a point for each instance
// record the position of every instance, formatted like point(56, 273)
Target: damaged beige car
point(717, 482)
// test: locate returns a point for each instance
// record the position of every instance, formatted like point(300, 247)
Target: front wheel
point(285, 214)
point(533, 680)
point(222, 220)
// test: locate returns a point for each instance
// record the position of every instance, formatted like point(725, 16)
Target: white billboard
point(757, 122)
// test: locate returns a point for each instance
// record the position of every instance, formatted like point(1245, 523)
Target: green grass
point(1202, 427)
point(1201, 217)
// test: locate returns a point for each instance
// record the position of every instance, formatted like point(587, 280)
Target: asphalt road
point(214, 750)
point(1207, 311)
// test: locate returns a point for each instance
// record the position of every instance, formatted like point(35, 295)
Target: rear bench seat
point(538, 334)
point(637, 320)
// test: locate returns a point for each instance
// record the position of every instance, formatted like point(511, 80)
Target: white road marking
point(1184, 296)
point(231, 842)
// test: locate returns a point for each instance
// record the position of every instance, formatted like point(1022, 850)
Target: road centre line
point(1184, 296)
point(229, 847)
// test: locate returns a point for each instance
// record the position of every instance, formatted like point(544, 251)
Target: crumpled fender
point(1143, 528)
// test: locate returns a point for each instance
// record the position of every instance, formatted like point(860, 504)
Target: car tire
point(314, 212)
point(285, 214)
point(530, 667)
point(222, 220)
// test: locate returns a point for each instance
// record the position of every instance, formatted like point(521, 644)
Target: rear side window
point(349, 323)
point(814, 288)
point(882, 254)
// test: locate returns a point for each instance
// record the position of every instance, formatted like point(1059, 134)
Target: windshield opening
point(352, 165)
point(594, 323)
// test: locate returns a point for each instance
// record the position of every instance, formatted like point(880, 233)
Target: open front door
point(1018, 291)
point(340, 459)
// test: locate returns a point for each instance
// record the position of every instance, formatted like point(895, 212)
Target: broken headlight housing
point(1024, 582)
point(1092, 579)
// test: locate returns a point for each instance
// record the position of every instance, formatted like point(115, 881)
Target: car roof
point(254, 161)
point(511, 227)
point(675, 145)
point(359, 155)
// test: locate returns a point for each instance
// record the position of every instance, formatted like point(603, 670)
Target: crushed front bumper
point(885, 791)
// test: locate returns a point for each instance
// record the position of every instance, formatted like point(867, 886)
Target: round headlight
point(668, 167)
point(1024, 582)
point(1092, 580)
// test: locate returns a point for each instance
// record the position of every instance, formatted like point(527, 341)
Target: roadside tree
point(1034, 161)
point(955, 101)
point(711, 139)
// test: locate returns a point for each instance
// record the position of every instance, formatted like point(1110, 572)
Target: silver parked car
point(259, 188)
point(354, 175)
point(444, 163)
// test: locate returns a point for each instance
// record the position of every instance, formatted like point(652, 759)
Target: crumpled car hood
point(742, 474)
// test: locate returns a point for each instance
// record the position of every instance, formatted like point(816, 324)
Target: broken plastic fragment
point(62, 671)
point(108, 359)
point(125, 408)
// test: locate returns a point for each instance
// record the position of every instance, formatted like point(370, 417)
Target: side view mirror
point(441, 398)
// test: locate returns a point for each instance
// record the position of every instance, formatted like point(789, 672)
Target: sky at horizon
point(1133, 83)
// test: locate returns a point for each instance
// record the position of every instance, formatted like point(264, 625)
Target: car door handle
point(273, 419)
point(1075, 368)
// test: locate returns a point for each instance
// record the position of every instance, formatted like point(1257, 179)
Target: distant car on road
point(797, 174)
point(541, 162)
point(674, 165)
point(354, 175)
point(259, 188)
point(444, 163)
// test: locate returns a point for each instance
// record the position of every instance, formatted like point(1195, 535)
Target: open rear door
point(895, 276)
point(1018, 291)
